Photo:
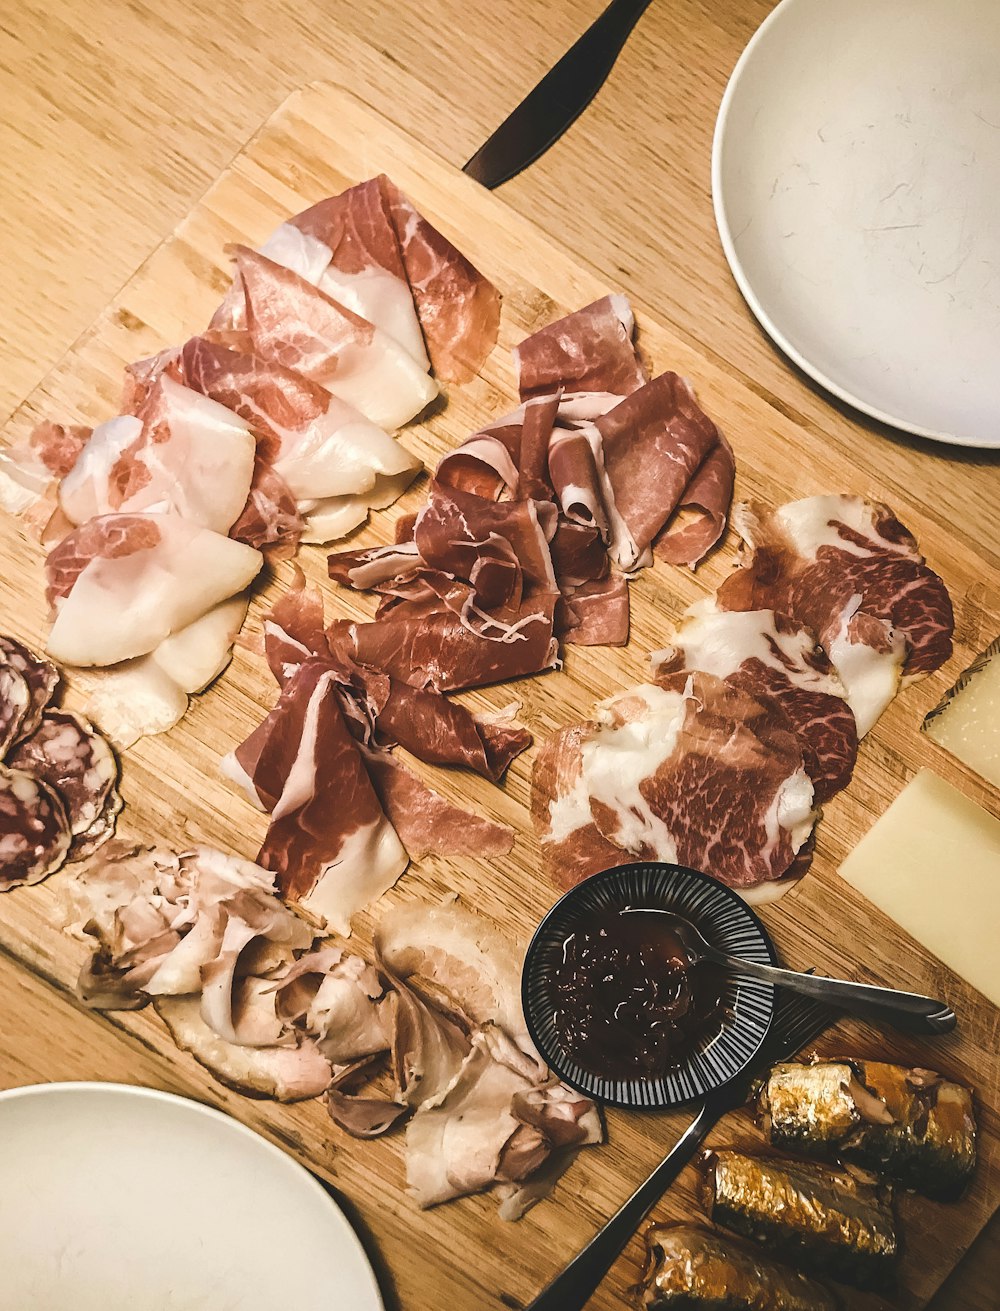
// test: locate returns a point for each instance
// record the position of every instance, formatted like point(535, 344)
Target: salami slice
point(40, 676)
point(15, 703)
point(103, 827)
point(72, 757)
point(34, 830)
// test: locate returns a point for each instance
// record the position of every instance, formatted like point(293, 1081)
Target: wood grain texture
point(319, 142)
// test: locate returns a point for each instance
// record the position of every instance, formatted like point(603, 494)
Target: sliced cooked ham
point(35, 834)
point(122, 584)
point(182, 453)
point(205, 938)
point(770, 655)
point(848, 569)
point(298, 325)
point(687, 770)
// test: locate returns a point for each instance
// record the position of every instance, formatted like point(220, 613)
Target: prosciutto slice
point(687, 770)
point(122, 584)
point(850, 571)
point(770, 655)
point(296, 324)
point(28, 467)
point(372, 251)
point(320, 445)
point(182, 453)
point(329, 841)
point(589, 351)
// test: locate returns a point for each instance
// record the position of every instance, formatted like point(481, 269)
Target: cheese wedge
point(932, 863)
point(967, 723)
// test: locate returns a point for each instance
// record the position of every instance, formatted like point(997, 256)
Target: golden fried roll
point(691, 1269)
point(820, 1219)
point(913, 1125)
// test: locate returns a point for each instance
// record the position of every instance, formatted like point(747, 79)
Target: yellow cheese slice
point(968, 724)
point(932, 863)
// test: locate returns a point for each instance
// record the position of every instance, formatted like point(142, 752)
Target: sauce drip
point(629, 1002)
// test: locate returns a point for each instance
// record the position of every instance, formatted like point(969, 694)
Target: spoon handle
point(907, 1011)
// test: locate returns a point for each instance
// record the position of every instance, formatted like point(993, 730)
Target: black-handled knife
point(559, 98)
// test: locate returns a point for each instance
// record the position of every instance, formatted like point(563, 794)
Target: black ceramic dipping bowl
point(725, 920)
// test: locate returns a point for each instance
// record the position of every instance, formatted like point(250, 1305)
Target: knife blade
point(559, 98)
point(797, 1021)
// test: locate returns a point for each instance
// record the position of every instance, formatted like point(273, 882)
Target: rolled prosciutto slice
point(849, 570)
point(770, 655)
point(689, 770)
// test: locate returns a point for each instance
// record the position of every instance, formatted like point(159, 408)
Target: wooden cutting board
point(319, 142)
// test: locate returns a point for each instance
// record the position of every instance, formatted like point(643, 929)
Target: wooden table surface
point(118, 115)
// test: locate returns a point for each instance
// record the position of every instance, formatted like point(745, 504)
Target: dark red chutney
point(629, 1004)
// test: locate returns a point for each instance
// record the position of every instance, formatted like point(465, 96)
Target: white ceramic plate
point(856, 180)
point(115, 1198)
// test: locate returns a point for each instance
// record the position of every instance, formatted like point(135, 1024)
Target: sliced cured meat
point(426, 821)
point(319, 444)
point(442, 651)
point(348, 246)
point(458, 308)
point(700, 518)
point(654, 445)
point(122, 584)
point(182, 452)
point(329, 841)
point(688, 770)
point(204, 936)
point(76, 762)
point(771, 655)
point(34, 832)
point(15, 703)
point(848, 569)
point(461, 960)
point(588, 351)
point(339, 999)
point(291, 321)
point(595, 613)
point(27, 468)
point(434, 729)
point(41, 676)
point(288, 1074)
point(270, 521)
